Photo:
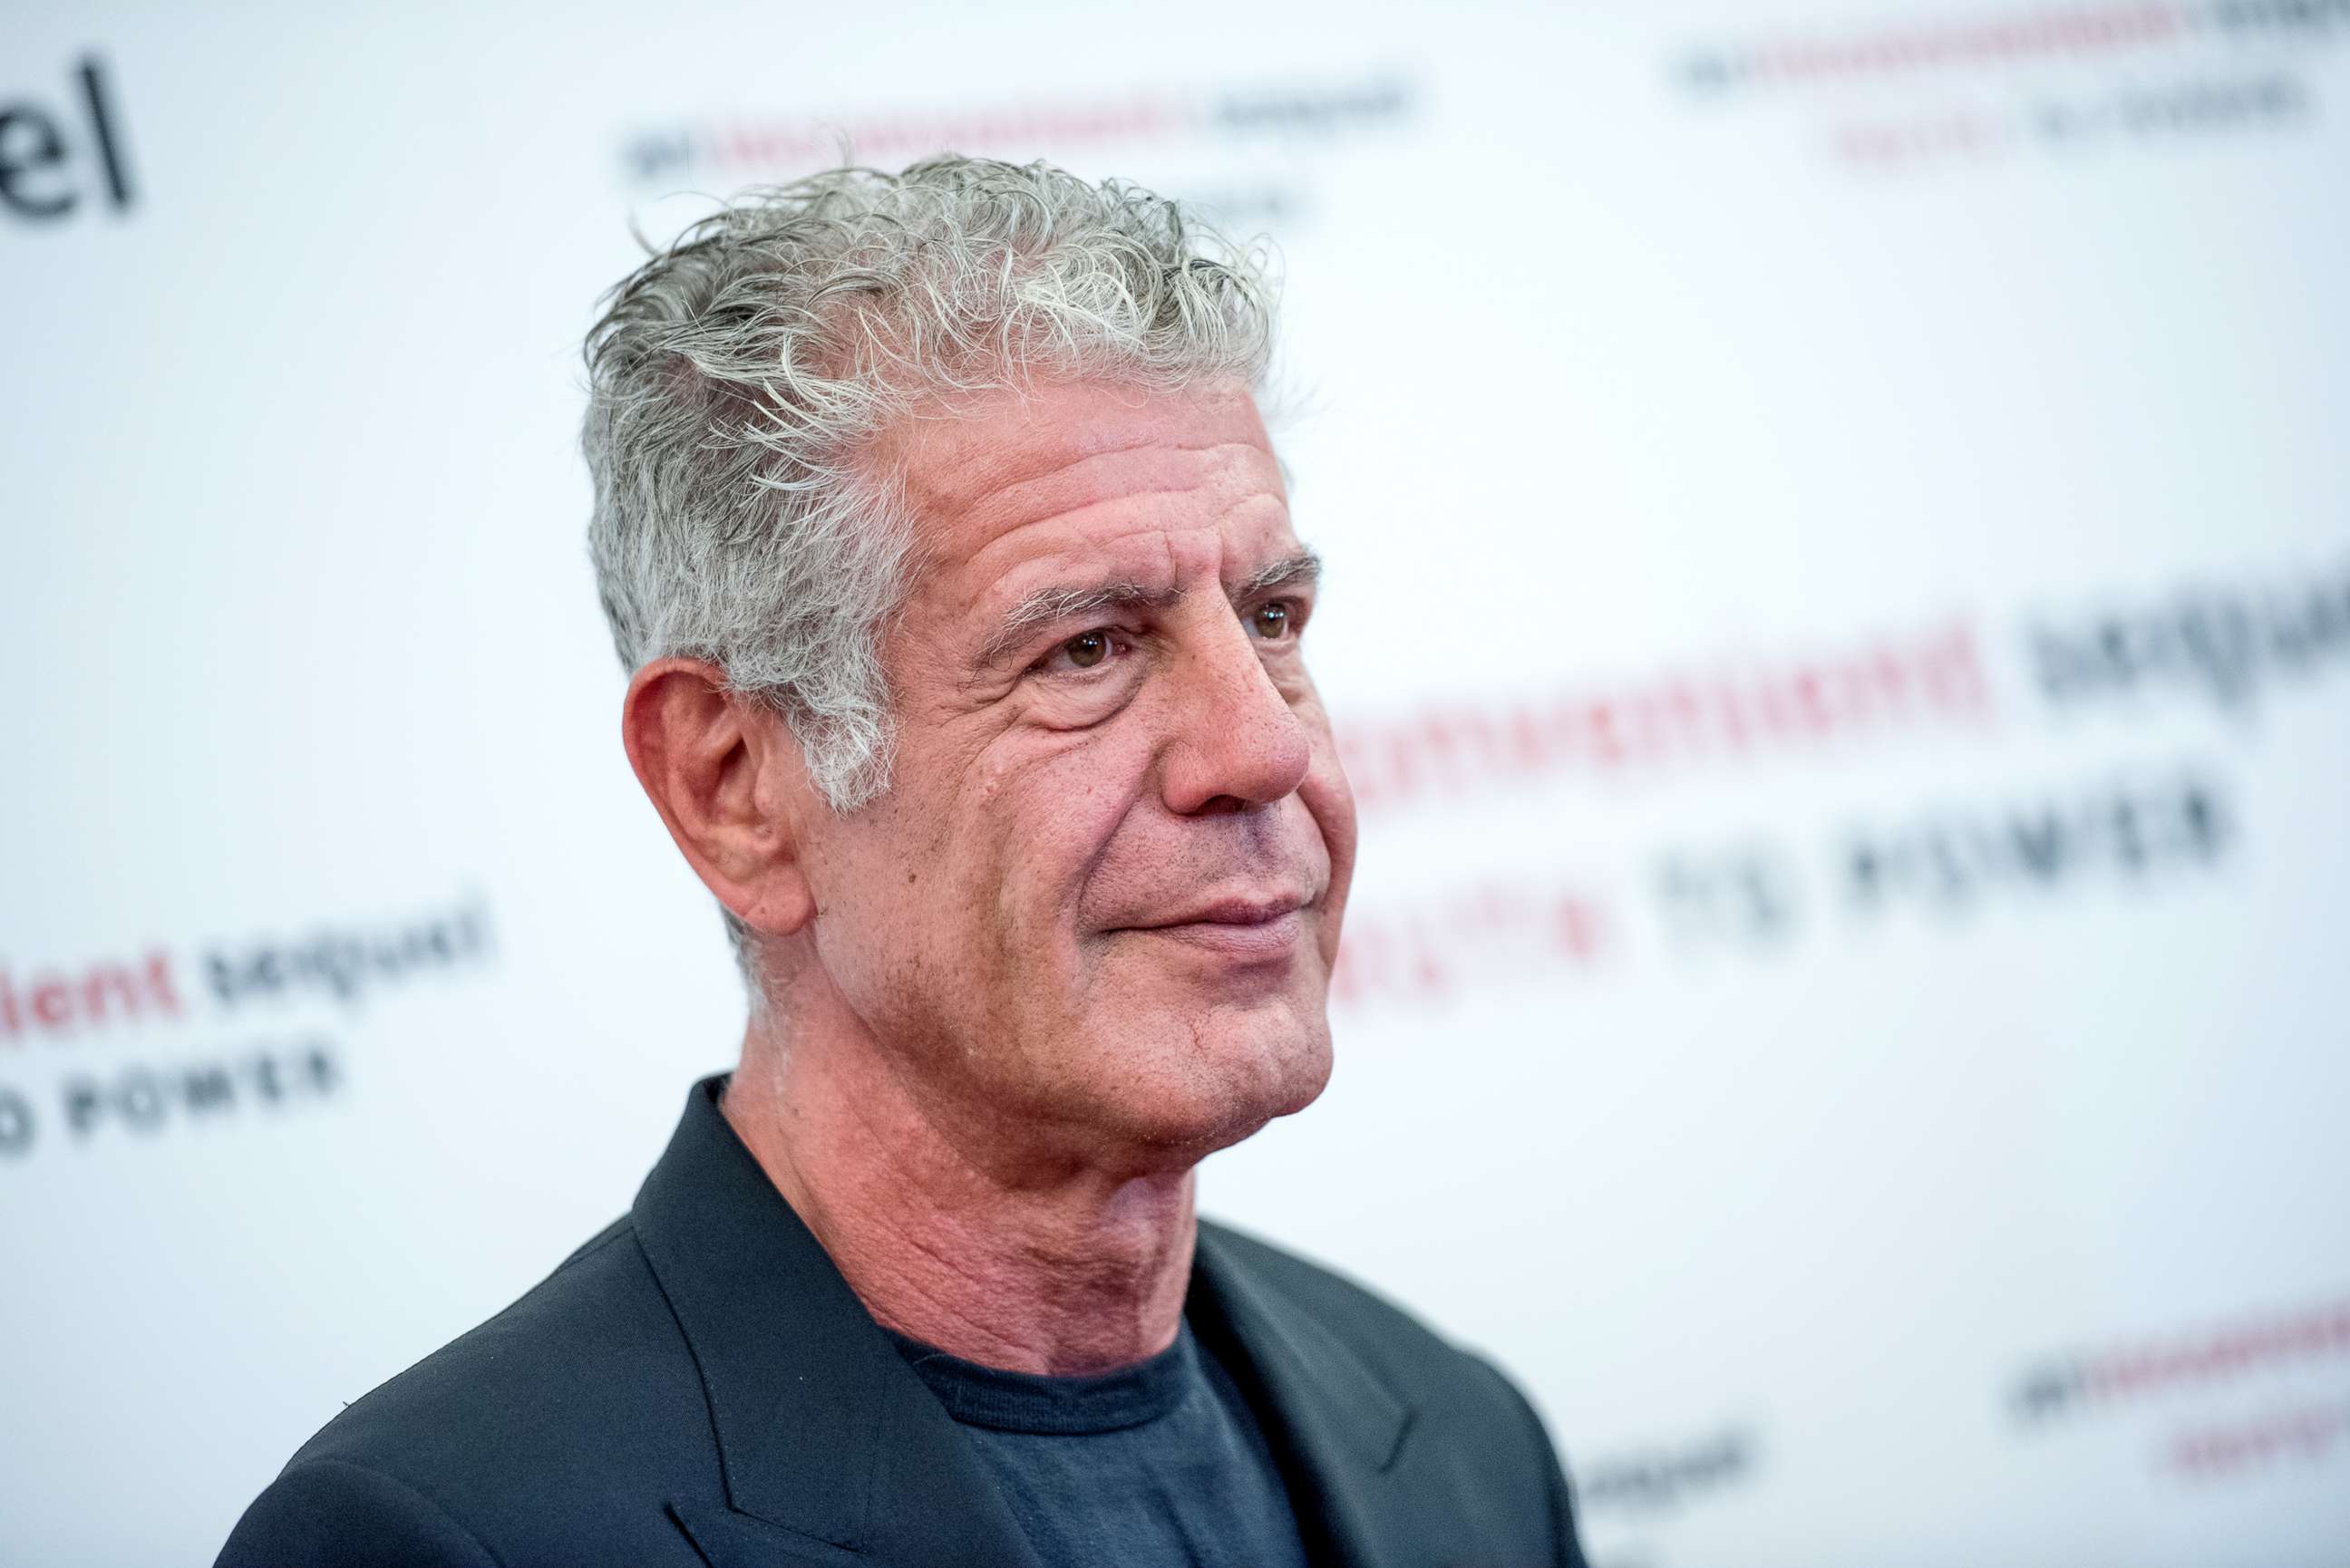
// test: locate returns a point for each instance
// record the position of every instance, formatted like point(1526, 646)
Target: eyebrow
point(1049, 605)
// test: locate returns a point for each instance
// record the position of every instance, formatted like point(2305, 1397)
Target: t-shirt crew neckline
point(1041, 1405)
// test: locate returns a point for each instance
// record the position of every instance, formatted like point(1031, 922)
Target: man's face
point(1097, 910)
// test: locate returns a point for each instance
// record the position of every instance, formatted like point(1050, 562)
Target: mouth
point(1259, 930)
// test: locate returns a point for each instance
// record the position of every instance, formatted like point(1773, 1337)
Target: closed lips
point(1232, 912)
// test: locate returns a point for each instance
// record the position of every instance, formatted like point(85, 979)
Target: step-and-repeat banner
point(1839, 526)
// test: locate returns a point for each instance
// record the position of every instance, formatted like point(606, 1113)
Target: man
point(952, 569)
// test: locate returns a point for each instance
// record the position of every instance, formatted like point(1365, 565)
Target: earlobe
point(726, 775)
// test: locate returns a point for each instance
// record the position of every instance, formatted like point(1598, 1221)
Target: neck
point(1035, 1264)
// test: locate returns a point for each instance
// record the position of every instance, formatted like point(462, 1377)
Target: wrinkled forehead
point(990, 463)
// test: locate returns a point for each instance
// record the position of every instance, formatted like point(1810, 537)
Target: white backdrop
point(1841, 621)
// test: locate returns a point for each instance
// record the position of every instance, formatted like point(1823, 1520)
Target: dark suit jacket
point(698, 1385)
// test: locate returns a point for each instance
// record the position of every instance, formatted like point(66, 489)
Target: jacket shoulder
point(1414, 1357)
point(325, 1511)
point(566, 1412)
point(573, 1356)
point(1480, 1439)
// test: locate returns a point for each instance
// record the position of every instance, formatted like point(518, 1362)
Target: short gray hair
point(738, 379)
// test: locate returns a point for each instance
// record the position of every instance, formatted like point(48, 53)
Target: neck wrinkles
point(1063, 1272)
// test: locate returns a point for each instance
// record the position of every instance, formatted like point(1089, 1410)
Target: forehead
point(1085, 469)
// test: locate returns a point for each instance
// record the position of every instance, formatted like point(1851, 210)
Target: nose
point(1235, 741)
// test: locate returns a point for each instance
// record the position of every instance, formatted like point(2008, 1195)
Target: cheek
point(881, 898)
point(1041, 829)
point(1331, 802)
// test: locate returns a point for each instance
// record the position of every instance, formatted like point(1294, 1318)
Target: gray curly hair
point(738, 379)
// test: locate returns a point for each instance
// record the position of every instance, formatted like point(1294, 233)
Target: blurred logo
point(79, 1006)
point(1665, 1478)
point(67, 153)
point(2268, 1370)
point(2090, 1380)
point(729, 149)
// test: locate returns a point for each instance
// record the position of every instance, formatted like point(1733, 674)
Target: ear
point(726, 775)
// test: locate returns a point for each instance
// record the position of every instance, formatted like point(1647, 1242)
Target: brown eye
point(1088, 650)
point(1271, 620)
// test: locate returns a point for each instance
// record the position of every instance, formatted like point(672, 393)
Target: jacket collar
point(828, 1443)
point(822, 1431)
point(1337, 1425)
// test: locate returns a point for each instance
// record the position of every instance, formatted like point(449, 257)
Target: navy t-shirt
point(1159, 1465)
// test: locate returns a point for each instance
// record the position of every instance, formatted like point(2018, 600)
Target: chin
point(1215, 1090)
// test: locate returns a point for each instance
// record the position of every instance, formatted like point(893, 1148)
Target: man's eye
point(1087, 649)
point(1270, 620)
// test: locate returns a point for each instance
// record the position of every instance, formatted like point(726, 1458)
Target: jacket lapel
point(1339, 1427)
point(832, 1450)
